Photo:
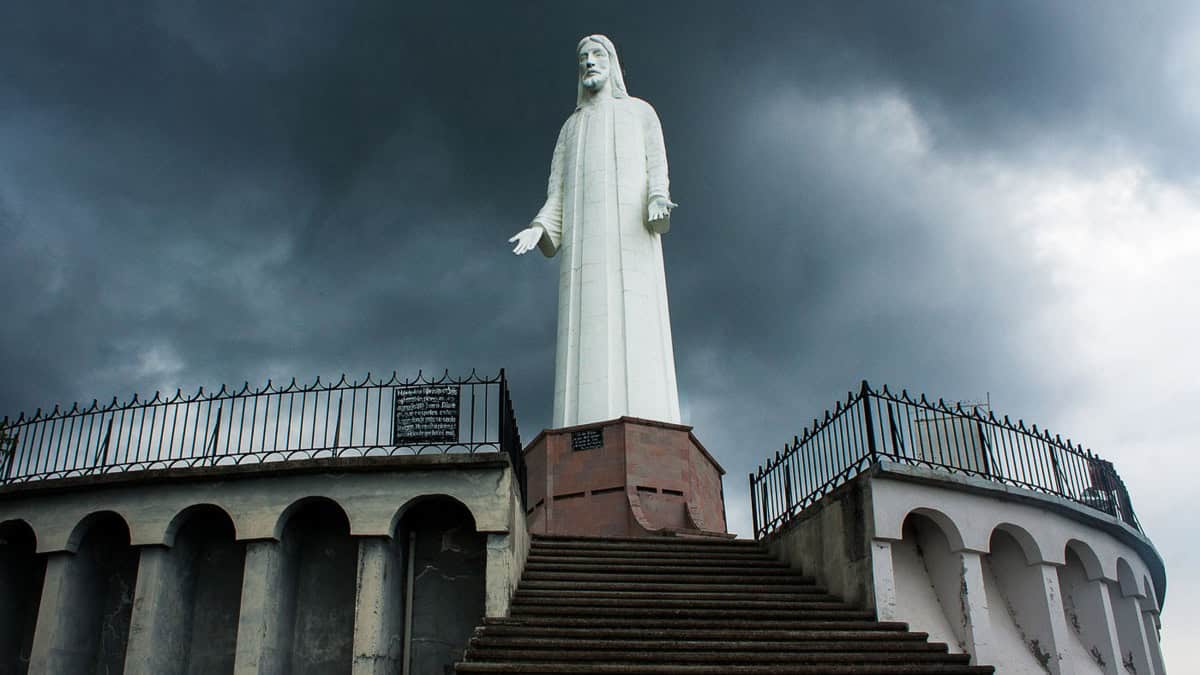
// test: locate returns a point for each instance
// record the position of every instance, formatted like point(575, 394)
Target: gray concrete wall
point(830, 542)
point(217, 564)
point(269, 570)
point(448, 583)
point(324, 575)
point(21, 574)
point(87, 602)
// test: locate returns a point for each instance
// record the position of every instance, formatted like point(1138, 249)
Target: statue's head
point(599, 67)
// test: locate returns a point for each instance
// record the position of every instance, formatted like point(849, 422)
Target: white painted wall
point(919, 600)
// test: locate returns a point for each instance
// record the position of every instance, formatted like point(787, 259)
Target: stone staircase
point(676, 605)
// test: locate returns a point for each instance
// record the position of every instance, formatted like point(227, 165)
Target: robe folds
point(614, 355)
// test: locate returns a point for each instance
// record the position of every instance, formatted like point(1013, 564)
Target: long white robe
point(614, 353)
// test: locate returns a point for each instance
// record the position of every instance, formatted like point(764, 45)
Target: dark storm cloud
point(204, 192)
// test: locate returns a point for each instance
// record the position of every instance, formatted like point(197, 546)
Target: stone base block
point(626, 477)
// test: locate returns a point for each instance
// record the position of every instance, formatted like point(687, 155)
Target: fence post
point(865, 397)
point(753, 505)
point(9, 447)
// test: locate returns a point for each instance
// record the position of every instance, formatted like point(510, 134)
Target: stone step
point(726, 603)
point(626, 551)
point(766, 623)
point(641, 542)
point(867, 631)
point(670, 561)
point(697, 567)
point(756, 657)
point(748, 580)
point(671, 613)
point(779, 586)
point(902, 642)
point(724, 669)
point(618, 592)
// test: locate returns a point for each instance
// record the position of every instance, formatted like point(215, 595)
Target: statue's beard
point(594, 83)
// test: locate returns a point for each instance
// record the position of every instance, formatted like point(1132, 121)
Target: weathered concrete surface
point(379, 607)
point(185, 610)
point(248, 572)
point(263, 644)
point(325, 572)
point(217, 564)
point(831, 542)
point(372, 491)
point(87, 600)
point(990, 582)
point(21, 575)
point(448, 583)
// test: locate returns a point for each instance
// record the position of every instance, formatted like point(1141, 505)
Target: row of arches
point(1038, 607)
point(206, 601)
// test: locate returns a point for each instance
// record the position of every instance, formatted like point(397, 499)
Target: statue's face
point(593, 65)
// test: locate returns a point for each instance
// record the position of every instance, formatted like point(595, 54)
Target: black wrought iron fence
point(871, 426)
point(272, 423)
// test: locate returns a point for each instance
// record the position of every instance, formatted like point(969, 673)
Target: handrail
point(873, 426)
point(270, 423)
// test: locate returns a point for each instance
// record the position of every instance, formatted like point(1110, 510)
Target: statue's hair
point(616, 79)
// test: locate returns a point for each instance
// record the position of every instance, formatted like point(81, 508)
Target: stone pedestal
point(626, 477)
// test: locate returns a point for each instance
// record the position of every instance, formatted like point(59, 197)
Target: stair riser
point(706, 657)
point(912, 645)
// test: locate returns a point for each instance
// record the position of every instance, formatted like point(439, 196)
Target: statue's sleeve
point(550, 217)
point(657, 182)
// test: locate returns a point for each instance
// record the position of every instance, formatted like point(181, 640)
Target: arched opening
point(1084, 607)
point(1131, 631)
point(1018, 605)
point(100, 578)
point(321, 561)
point(206, 564)
point(1153, 626)
point(445, 581)
point(929, 580)
point(22, 572)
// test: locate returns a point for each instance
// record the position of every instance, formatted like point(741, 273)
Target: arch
point(18, 527)
point(1127, 579)
point(1029, 546)
point(1151, 596)
point(291, 509)
point(944, 522)
point(408, 505)
point(1087, 556)
point(22, 574)
point(81, 528)
point(187, 513)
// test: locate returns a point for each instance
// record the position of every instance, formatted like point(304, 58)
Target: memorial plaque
point(587, 439)
point(426, 414)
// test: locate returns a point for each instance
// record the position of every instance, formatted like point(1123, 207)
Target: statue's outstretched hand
point(526, 239)
point(660, 214)
point(660, 207)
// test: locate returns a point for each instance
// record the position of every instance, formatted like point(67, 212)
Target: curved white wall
point(1043, 585)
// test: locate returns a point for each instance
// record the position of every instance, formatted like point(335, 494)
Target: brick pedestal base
point(626, 477)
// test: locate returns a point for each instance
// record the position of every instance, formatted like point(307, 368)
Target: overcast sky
point(964, 199)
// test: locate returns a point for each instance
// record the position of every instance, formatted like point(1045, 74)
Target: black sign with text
point(587, 439)
point(426, 414)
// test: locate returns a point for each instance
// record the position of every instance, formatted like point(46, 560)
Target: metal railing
point(873, 426)
point(371, 417)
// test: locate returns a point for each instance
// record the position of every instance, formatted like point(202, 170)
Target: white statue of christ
point(607, 205)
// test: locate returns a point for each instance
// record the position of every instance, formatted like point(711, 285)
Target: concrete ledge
point(1100, 520)
point(373, 492)
point(392, 463)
